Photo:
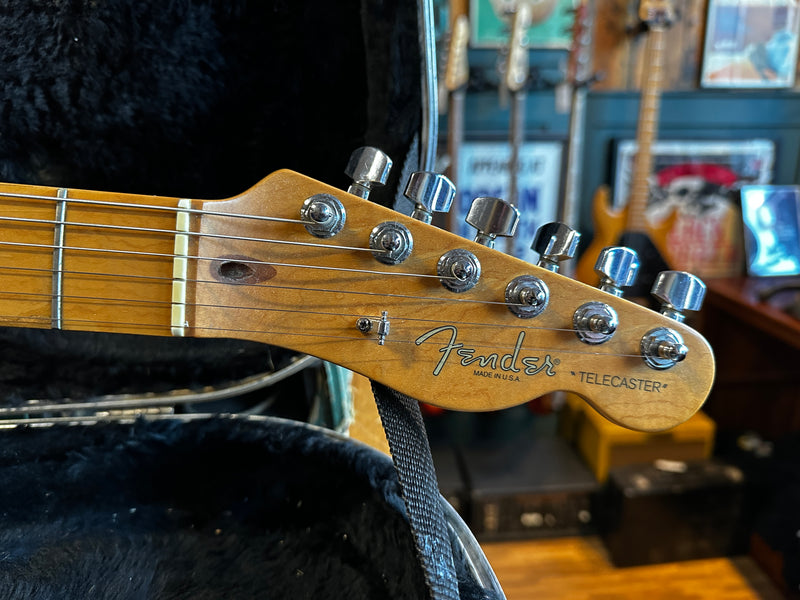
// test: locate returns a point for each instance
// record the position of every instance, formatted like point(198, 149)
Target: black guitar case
point(201, 99)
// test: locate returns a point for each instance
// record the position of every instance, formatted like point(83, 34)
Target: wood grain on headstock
point(460, 351)
point(272, 281)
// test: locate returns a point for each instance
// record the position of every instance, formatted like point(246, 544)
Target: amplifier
point(672, 511)
point(604, 445)
point(528, 488)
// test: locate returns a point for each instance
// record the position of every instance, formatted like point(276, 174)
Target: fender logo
point(530, 365)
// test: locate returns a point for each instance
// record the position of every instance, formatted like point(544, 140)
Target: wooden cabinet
point(757, 346)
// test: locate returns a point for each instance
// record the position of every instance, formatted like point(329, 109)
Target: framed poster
point(751, 43)
point(483, 171)
point(700, 181)
point(552, 26)
point(771, 217)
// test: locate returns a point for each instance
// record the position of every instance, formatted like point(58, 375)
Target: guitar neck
point(646, 129)
point(248, 267)
point(93, 261)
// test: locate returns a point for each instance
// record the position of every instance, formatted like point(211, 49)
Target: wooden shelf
point(739, 296)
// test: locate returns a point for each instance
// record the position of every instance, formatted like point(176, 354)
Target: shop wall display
point(700, 180)
point(751, 43)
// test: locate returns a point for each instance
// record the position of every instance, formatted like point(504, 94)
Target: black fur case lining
point(194, 98)
point(204, 509)
point(189, 98)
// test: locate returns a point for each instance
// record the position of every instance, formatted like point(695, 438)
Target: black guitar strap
point(411, 453)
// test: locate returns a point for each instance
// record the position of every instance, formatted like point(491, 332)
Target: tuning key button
point(492, 217)
point(663, 348)
point(527, 296)
point(617, 267)
point(459, 270)
point(323, 215)
point(678, 291)
point(368, 167)
point(595, 322)
point(555, 242)
point(430, 193)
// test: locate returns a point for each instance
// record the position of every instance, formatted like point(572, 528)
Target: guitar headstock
point(517, 65)
point(656, 13)
point(457, 71)
point(445, 320)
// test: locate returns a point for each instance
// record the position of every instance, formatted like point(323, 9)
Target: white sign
point(483, 171)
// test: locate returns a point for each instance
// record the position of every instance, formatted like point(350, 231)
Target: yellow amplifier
point(605, 445)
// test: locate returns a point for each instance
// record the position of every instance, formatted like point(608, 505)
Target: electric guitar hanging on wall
point(629, 225)
point(299, 264)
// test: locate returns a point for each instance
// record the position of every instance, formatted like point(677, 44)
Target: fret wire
point(220, 259)
point(189, 233)
point(169, 280)
point(58, 258)
point(166, 303)
point(355, 337)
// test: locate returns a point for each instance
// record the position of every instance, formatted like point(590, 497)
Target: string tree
point(367, 325)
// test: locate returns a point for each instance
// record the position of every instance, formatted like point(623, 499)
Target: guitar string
point(395, 318)
point(36, 320)
point(171, 280)
point(188, 233)
point(140, 302)
point(147, 207)
point(176, 210)
point(140, 253)
point(168, 281)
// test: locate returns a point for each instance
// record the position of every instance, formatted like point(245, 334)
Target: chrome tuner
point(617, 267)
point(555, 242)
point(527, 296)
point(663, 348)
point(595, 322)
point(368, 167)
point(678, 291)
point(459, 270)
point(391, 242)
point(492, 217)
point(323, 215)
point(430, 193)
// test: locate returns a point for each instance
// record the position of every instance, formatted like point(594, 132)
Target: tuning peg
point(555, 242)
point(368, 167)
point(492, 217)
point(678, 291)
point(617, 267)
point(430, 193)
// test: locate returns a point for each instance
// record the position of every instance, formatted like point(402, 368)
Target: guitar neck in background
point(646, 130)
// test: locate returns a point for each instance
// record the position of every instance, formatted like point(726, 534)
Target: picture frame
point(750, 44)
point(554, 30)
point(771, 216)
point(700, 180)
point(483, 170)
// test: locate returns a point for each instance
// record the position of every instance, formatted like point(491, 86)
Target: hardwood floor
point(579, 569)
